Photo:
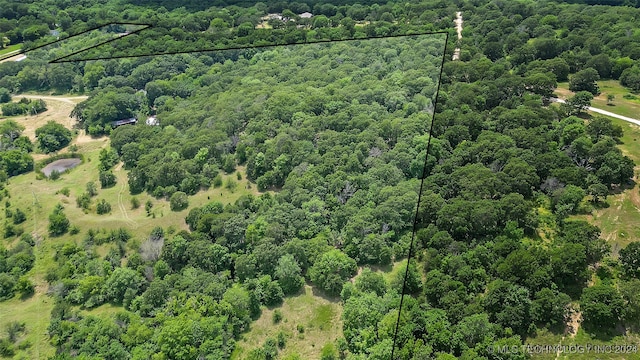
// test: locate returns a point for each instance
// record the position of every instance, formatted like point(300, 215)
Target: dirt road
point(604, 112)
point(69, 100)
point(458, 21)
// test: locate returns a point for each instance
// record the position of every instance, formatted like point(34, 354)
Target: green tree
point(5, 95)
point(53, 137)
point(331, 270)
point(580, 102)
point(369, 281)
point(630, 292)
point(585, 80)
point(19, 217)
point(600, 126)
point(58, 222)
point(601, 306)
point(288, 274)
point(135, 203)
point(178, 201)
point(550, 307)
point(121, 280)
point(7, 284)
point(92, 189)
point(630, 259)
point(631, 78)
point(103, 207)
point(107, 179)
point(610, 98)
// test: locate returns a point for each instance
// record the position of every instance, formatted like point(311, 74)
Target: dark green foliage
point(7, 284)
point(16, 162)
point(601, 306)
point(5, 96)
point(148, 205)
point(19, 217)
point(331, 270)
point(135, 203)
point(30, 107)
point(630, 259)
point(84, 201)
point(288, 275)
point(58, 222)
point(585, 80)
point(53, 137)
point(107, 179)
point(579, 102)
point(178, 201)
point(339, 132)
point(631, 78)
point(108, 159)
point(103, 207)
point(369, 281)
point(277, 316)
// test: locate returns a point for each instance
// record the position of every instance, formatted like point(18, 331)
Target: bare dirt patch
point(58, 110)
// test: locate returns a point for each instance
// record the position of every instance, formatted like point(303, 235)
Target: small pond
point(61, 166)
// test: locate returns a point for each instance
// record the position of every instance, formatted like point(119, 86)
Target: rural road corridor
point(604, 112)
point(458, 21)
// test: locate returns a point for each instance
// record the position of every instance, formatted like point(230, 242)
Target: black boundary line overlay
point(22, 51)
point(233, 47)
point(415, 221)
point(424, 169)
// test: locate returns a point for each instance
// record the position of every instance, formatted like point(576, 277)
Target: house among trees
point(117, 123)
point(306, 15)
point(152, 120)
point(272, 17)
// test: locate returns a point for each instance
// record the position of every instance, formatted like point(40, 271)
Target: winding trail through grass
point(123, 208)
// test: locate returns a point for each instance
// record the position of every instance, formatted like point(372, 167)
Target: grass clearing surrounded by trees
point(619, 105)
point(620, 221)
point(320, 317)
point(37, 198)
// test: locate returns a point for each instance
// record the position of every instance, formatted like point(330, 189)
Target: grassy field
point(318, 314)
point(37, 197)
point(58, 110)
point(620, 105)
point(320, 317)
point(620, 221)
point(10, 48)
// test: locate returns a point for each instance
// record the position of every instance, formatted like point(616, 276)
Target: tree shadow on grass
point(322, 294)
point(618, 189)
point(605, 333)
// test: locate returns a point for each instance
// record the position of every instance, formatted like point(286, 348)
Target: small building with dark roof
point(117, 123)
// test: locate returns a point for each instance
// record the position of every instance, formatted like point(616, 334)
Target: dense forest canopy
point(334, 136)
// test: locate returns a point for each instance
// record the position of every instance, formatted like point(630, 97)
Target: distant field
point(58, 110)
point(620, 105)
point(10, 48)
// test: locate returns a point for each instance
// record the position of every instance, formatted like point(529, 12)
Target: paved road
point(604, 112)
